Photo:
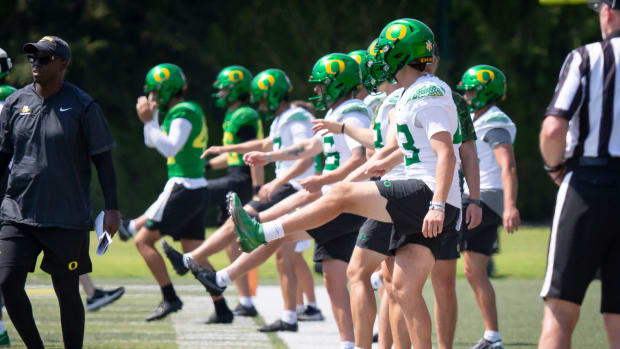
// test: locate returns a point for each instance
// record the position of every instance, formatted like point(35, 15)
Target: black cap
point(615, 4)
point(50, 46)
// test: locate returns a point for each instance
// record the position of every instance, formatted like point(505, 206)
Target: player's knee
point(340, 195)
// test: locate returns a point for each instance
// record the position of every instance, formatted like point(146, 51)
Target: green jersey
point(467, 124)
point(241, 125)
point(187, 162)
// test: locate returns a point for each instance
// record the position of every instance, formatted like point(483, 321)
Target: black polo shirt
point(51, 142)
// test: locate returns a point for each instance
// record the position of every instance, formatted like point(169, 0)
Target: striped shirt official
point(588, 95)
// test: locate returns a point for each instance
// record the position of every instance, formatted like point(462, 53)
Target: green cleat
point(249, 231)
point(4, 340)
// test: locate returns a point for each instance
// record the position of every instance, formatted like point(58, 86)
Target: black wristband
point(208, 166)
point(342, 128)
point(256, 189)
point(476, 202)
point(553, 169)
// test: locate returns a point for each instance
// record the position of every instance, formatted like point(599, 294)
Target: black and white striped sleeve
point(569, 90)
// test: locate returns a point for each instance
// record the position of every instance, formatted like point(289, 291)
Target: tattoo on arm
point(295, 150)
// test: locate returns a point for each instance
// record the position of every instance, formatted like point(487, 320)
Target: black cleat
point(311, 314)
point(277, 326)
point(164, 308)
point(175, 258)
point(207, 278)
point(123, 230)
point(242, 310)
point(224, 318)
point(102, 298)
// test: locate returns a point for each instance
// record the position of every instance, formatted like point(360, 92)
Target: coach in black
point(51, 130)
point(580, 144)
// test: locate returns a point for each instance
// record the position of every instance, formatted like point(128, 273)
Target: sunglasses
point(43, 60)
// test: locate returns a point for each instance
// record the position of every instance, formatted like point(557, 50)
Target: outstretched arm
point(314, 183)
point(241, 148)
point(361, 134)
point(307, 148)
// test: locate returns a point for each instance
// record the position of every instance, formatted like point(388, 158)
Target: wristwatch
point(555, 168)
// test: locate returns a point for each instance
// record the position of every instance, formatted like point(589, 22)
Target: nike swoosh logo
point(61, 109)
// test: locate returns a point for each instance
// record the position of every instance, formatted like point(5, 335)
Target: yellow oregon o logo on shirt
point(235, 75)
point(270, 80)
point(485, 78)
point(162, 74)
point(330, 64)
point(402, 30)
point(73, 265)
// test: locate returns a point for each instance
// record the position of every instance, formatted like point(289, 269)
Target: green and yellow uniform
point(241, 125)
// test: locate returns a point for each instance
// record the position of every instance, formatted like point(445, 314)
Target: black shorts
point(450, 245)
point(64, 250)
point(375, 235)
point(340, 248)
point(239, 180)
point(336, 238)
point(407, 204)
point(180, 213)
point(280, 194)
point(585, 236)
point(483, 238)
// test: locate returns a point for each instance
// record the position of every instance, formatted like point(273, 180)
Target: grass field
point(520, 267)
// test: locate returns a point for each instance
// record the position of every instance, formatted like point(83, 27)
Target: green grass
point(520, 266)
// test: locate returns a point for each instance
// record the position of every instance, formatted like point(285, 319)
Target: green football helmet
point(168, 80)
point(402, 42)
point(272, 85)
point(237, 79)
point(5, 64)
point(5, 91)
point(339, 73)
point(362, 58)
point(488, 82)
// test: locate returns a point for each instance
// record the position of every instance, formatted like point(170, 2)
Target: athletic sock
point(300, 308)
point(273, 230)
point(246, 302)
point(222, 279)
point(290, 317)
point(169, 294)
point(375, 281)
point(220, 306)
point(187, 257)
point(492, 336)
point(313, 304)
point(347, 345)
point(132, 226)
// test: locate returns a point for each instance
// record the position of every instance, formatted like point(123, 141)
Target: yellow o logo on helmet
point(73, 265)
point(371, 49)
point(270, 80)
point(402, 30)
point(480, 76)
point(162, 74)
point(330, 64)
point(235, 75)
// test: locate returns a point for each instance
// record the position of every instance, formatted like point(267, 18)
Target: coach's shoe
point(5, 342)
point(123, 230)
point(279, 325)
point(242, 310)
point(223, 318)
point(311, 314)
point(486, 344)
point(249, 231)
point(102, 298)
point(175, 258)
point(164, 308)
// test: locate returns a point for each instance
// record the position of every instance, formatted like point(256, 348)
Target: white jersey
point(337, 147)
point(425, 108)
point(381, 126)
point(289, 128)
point(373, 100)
point(490, 172)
